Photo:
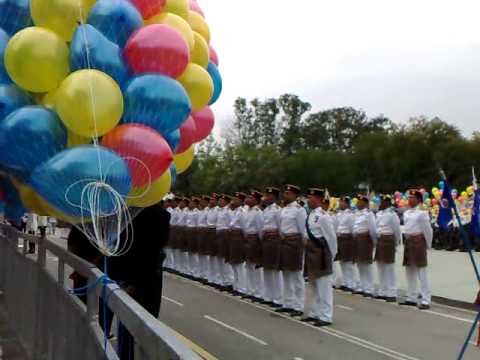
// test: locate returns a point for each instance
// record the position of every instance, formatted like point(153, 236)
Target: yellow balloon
point(74, 140)
point(37, 59)
point(29, 198)
point(89, 102)
point(200, 53)
point(198, 24)
point(178, 7)
point(183, 160)
point(146, 196)
point(177, 23)
point(199, 85)
point(60, 16)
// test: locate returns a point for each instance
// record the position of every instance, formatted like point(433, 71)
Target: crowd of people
point(273, 251)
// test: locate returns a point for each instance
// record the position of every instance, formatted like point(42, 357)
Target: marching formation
point(253, 247)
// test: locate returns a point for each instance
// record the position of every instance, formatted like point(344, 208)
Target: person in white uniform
point(365, 239)
point(191, 243)
point(294, 236)
point(389, 237)
point(271, 249)
point(253, 232)
point(237, 251)
point(211, 240)
point(320, 252)
point(32, 227)
point(201, 238)
point(224, 217)
point(418, 239)
point(169, 248)
point(182, 236)
point(346, 246)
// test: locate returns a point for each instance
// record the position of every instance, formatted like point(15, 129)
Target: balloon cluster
point(99, 98)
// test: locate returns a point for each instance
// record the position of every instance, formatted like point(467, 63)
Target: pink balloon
point(145, 151)
point(157, 48)
point(188, 131)
point(148, 8)
point(213, 55)
point(204, 121)
point(195, 7)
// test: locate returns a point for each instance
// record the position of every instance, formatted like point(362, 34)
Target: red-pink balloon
point(204, 121)
point(145, 151)
point(157, 48)
point(213, 55)
point(195, 7)
point(188, 131)
point(149, 8)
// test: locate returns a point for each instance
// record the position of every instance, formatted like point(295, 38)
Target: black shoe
point(321, 323)
point(265, 302)
point(367, 295)
point(284, 310)
point(309, 319)
point(355, 292)
point(247, 297)
point(296, 313)
point(256, 299)
point(277, 306)
point(345, 288)
point(407, 303)
point(391, 299)
point(380, 297)
point(424, 307)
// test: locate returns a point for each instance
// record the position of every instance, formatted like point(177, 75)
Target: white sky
point(400, 58)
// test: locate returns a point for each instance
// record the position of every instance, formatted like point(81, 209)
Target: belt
point(412, 235)
point(389, 234)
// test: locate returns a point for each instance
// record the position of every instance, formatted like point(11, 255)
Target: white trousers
point(168, 264)
point(413, 273)
point(254, 280)
point(387, 280)
point(226, 273)
point(203, 266)
point(348, 274)
point(214, 270)
point(194, 265)
point(240, 278)
point(272, 286)
point(366, 278)
point(293, 290)
point(319, 299)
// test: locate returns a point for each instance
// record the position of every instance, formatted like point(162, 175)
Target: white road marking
point(297, 358)
point(455, 308)
point(344, 307)
point(173, 301)
point(243, 333)
point(448, 316)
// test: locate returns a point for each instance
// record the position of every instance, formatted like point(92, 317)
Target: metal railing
point(52, 324)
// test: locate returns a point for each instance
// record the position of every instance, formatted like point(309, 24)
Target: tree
point(293, 109)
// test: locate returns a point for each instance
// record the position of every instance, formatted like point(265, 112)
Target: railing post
point(61, 272)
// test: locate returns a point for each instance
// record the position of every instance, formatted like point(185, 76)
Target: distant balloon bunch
point(99, 98)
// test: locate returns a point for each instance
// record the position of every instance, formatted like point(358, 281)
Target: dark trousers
point(148, 295)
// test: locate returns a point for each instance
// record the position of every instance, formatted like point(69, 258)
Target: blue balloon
point(12, 98)
point(217, 82)
point(30, 136)
point(173, 139)
point(14, 209)
point(69, 179)
point(89, 49)
point(4, 38)
point(173, 172)
point(156, 101)
point(115, 19)
point(14, 15)
point(441, 184)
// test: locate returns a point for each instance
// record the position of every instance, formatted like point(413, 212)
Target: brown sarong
point(172, 240)
point(222, 245)
point(271, 250)
point(385, 252)
point(363, 248)
point(253, 249)
point(318, 260)
point(237, 246)
point(203, 246)
point(192, 240)
point(211, 241)
point(415, 252)
point(292, 253)
point(182, 238)
point(346, 248)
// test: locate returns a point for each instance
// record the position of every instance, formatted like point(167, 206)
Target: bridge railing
point(52, 324)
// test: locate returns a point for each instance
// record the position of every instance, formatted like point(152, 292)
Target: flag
point(445, 215)
point(475, 224)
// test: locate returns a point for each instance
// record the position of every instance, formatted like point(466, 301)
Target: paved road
point(230, 328)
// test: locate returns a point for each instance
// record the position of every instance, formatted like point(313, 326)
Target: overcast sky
point(400, 58)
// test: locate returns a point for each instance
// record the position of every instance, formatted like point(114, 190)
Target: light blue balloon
point(217, 82)
point(12, 98)
point(14, 15)
point(4, 78)
point(173, 139)
point(156, 101)
point(30, 136)
point(115, 19)
point(64, 180)
point(89, 49)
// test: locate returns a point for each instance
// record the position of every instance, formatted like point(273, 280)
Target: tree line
point(278, 141)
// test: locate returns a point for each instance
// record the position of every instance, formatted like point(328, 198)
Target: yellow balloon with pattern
point(198, 24)
point(184, 160)
point(200, 52)
point(199, 85)
point(60, 16)
point(37, 59)
point(149, 195)
point(177, 23)
point(90, 103)
point(178, 7)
